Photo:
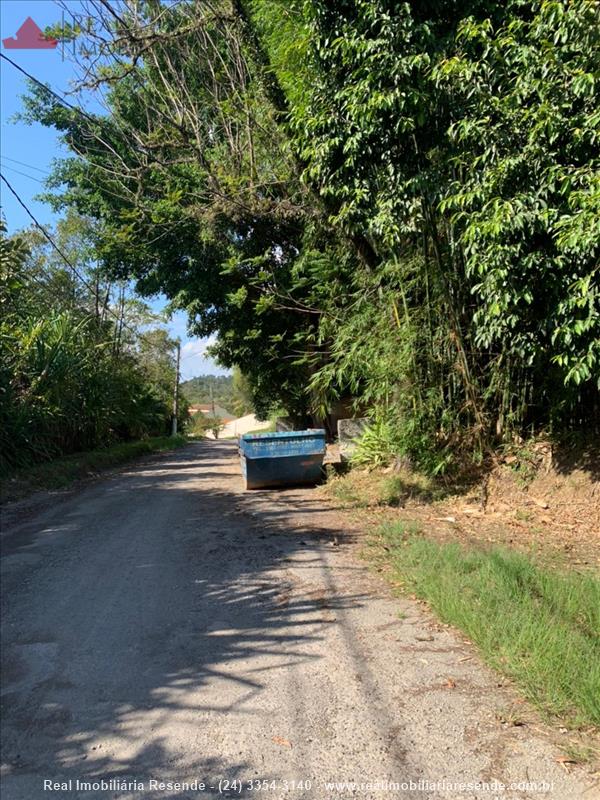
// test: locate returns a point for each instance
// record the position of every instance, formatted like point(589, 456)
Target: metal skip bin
point(281, 459)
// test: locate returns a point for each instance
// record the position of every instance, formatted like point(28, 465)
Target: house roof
point(207, 409)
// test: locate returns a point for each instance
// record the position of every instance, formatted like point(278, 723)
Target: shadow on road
point(137, 609)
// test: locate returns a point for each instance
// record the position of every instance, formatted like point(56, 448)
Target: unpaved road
point(162, 625)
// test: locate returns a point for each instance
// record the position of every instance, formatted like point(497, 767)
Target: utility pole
point(176, 393)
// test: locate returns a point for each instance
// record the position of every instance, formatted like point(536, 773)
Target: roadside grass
point(270, 429)
point(363, 488)
point(539, 626)
point(60, 472)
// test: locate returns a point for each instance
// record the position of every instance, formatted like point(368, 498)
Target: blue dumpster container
point(280, 459)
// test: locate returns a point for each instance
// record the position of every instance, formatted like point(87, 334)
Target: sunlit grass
point(60, 472)
point(362, 488)
point(537, 625)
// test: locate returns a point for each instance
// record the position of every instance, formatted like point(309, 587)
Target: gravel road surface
point(161, 625)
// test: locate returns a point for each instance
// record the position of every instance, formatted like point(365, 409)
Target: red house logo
point(29, 37)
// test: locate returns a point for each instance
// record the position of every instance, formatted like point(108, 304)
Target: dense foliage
point(72, 377)
point(392, 203)
point(465, 147)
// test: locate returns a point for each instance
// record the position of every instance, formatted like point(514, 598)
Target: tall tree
point(397, 202)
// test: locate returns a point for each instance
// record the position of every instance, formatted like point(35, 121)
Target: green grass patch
point(270, 429)
point(362, 488)
point(61, 472)
point(537, 625)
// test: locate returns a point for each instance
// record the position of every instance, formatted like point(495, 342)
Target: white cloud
point(194, 360)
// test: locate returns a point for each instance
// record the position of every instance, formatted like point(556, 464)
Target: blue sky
point(27, 152)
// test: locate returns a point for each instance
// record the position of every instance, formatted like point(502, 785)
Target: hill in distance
point(197, 391)
point(220, 389)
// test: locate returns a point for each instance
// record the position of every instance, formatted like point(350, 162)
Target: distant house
point(195, 408)
point(207, 409)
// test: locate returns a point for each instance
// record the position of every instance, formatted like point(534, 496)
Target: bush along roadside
point(61, 472)
point(537, 625)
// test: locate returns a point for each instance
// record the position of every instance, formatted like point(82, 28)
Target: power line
point(191, 355)
point(23, 164)
point(24, 174)
point(67, 261)
point(48, 89)
point(72, 267)
point(60, 98)
point(45, 233)
point(65, 103)
point(36, 223)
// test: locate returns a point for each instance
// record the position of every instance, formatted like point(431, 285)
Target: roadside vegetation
point(387, 208)
point(82, 366)
point(368, 488)
point(508, 555)
point(200, 424)
point(61, 472)
point(271, 428)
point(540, 627)
point(391, 205)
